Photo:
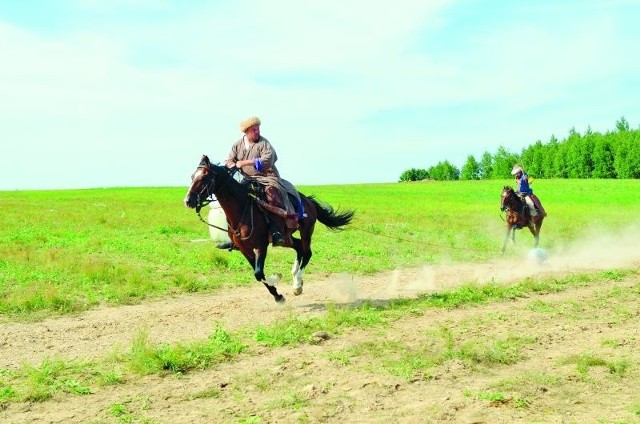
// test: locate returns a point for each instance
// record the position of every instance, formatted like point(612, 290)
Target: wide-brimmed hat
point(516, 169)
point(249, 122)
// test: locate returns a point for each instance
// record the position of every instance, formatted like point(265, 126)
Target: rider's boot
point(276, 236)
point(274, 198)
point(228, 245)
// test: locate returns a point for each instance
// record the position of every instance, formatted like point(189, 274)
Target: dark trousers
point(275, 199)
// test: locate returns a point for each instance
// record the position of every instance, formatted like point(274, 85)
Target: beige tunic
point(269, 174)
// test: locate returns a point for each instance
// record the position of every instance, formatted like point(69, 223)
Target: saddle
point(537, 205)
point(257, 193)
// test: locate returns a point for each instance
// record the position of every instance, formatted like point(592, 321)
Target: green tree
point(548, 158)
point(578, 157)
point(471, 169)
point(486, 166)
point(602, 158)
point(559, 163)
point(503, 162)
point(622, 124)
point(414, 174)
point(444, 171)
point(615, 154)
point(627, 154)
point(532, 159)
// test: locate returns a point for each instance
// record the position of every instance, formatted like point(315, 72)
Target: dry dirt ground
point(307, 384)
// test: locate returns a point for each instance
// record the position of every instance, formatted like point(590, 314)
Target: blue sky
point(97, 93)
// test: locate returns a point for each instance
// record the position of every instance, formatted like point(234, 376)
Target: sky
point(128, 93)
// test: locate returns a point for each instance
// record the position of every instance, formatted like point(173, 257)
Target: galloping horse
point(518, 216)
point(248, 227)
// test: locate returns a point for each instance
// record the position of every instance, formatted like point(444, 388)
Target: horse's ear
point(205, 160)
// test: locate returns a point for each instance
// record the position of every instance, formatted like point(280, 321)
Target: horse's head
point(507, 198)
point(204, 182)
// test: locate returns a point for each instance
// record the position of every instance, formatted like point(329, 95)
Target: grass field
point(111, 313)
point(72, 250)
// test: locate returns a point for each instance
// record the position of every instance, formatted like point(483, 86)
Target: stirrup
point(277, 240)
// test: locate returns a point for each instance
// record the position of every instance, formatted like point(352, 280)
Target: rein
point(207, 191)
point(235, 231)
point(208, 223)
point(513, 205)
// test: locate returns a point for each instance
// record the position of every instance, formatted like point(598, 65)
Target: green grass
point(148, 358)
point(66, 251)
point(586, 361)
point(56, 378)
point(70, 250)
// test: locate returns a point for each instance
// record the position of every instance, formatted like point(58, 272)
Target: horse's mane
point(513, 194)
point(236, 188)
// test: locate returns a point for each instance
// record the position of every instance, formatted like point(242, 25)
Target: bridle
point(509, 197)
point(205, 197)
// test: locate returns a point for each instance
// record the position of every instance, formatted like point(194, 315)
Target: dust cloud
point(592, 253)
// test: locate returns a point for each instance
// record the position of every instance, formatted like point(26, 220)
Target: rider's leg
point(275, 225)
point(532, 208)
point(538, 205)
point(228, 245)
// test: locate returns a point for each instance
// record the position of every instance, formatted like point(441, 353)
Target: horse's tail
point(333, 219)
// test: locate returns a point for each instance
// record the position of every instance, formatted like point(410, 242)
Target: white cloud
point(334, 82)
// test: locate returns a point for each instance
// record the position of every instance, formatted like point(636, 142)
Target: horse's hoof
point(280, 299)
point(297, 291)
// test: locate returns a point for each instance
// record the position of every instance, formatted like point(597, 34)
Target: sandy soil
point(303, 384)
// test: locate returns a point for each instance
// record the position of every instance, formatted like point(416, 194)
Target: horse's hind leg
point(537, 234)
point(535, 230)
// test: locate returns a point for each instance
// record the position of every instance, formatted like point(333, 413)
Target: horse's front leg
point(257, 258)
point(506, 237)
point(274, 292)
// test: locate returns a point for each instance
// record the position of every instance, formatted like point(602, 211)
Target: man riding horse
point(255, 158)
point(525, 191)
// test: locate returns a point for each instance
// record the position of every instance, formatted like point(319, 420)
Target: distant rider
point(525, 191)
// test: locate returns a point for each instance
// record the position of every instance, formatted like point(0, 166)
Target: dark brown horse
point(518, 216)
point(248, 225)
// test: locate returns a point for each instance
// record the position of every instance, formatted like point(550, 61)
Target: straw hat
point(249, 122)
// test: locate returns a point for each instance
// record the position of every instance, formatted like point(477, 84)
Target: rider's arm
point(248, 162)
point(267, 156)
point(232, 157)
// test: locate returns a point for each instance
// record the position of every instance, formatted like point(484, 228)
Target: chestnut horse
point(518, 216)
point(248, 225)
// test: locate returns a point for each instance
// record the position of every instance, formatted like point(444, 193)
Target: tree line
point(614, 154)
